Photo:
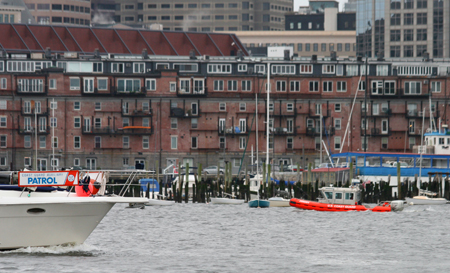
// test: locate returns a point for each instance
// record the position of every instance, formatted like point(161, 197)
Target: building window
point(395, 35)
point(173, 123)
point(413, 88)
point(218, 85)
point(145, 142)
point(395, 19)
point(408, 51)
point(313, 86)
point(327, 86)
point(337, 107)
point(295, 86)
point(232, 85)
point(150, 84)
point(281, 86)
point(422, 34)
point(408, 35)
point(436, 87)
point(283, 69)
point(125, 142)
point(246, 85)
point(242, 142)
point(194, 142)
point(422, 18)
point(395, 51)
point(305, 69)
point(74, 83)
point(128, 85)
point(337, 124)
point(341, 86)
point(242, 106)
point(408, 19)
point(219, 68)
point(3, 141)
point(173, 142)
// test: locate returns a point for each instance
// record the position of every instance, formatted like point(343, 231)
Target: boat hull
point(156, 202)
point(279, 202)
point(311, 205)
point(259, 204)
point(426, 201)
point(227, 201)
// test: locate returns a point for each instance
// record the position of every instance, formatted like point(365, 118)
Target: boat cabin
point(335, 195)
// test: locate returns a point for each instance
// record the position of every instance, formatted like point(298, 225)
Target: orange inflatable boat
point(311, 205)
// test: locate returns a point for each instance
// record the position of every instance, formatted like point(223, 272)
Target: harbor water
point(220, 238)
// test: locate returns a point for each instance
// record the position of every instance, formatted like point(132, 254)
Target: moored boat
point(279, 202)
point(226, 201)
point(36, 213)
point(426, 198)
point(259, 203)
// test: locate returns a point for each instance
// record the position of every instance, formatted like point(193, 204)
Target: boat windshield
point(328, 195)
point(349, 196)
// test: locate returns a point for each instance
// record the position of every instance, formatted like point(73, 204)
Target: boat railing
point(130, 179)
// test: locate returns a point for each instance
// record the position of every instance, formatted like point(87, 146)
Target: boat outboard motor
point(398, 205)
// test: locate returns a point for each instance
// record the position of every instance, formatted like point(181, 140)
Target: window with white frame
point(219, 68)
point(194, 142)
point(377, 87)
point(337, 124)
point(88, 85)
point(54, 105)
point(173, 123)
point(27, 107)
point(260, 69)
point(125, 142)
point(27, 141)
point(246, 85)
point(222, 106)
point(242, 67)
point(243, 125)
point(283, 69)
point(389, 88)
point(162, 66)
point(138, 67)
point(76, 105)
point(281, 86)
point(173, 86)
point(185, 85)
point(97, 142)
point(413, 88)
point(341, 86)
point(52, 84)
point(145, 107)
point(74, 83)
point(339, 70)
point(271, 106)
point(20, 66)
point(436, 87)
point(232, 85)
point(37, 107)
point(150, 84)
point(289, 143)
point(194, 123)
point(186, 67)
point(173, 142)
point(102, 83)
point(3, 105)
point(337, 143)
point(199, 86)
point(30, 85)
point(3, 83)
point(362, 86)
point(327, 86)
point(289, 107)
point(145, 142)
point(337, 107)
point(421, 70)
point(382, 70)
point(97, 67)
point(53, 122)
point(146, 122)
point(128, 85)
point(117, 68)
point(242, 106)
point(352, 70)
point(76, 162)
point(290, 125)
point(125, 122)
point(3, 141)
point(309, 123)
point(3, 122)
point(328, 69)
point(313, 86)
point(218, 85)
point(1, 66)
point(306, 69)
point(242, 142)
point(42, 124)
point(42, 142)
point(97, 123)
point(222, 143)
point(295, 86)
point(194, 108)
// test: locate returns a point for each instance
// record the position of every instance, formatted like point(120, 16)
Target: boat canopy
point(152, 184)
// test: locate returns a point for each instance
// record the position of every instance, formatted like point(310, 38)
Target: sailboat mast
point(257, 136)
point(268, 116)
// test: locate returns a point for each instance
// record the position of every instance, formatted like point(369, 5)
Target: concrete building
point(60, 12)
point(191, 97)
point(205, 16)
point(403, 28)
point(14, 11)
point(305, 43)
point(329, 20)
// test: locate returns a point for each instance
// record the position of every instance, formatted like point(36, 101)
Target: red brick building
point(192, 98)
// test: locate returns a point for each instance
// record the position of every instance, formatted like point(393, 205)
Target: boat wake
point(80, 250)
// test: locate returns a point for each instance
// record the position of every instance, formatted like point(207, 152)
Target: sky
point(298, 3)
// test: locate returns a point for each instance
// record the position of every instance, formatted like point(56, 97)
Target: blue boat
point(259, 203)
point(431, 158)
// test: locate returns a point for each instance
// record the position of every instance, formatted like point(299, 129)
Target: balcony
point(283, 131)
point(142, 92)
point(384, 113)
point(422, 95)
point(108, 130)
point(192, 92)
point(233, 130)
point(181, 113)
point(376, 132)
point(314, 114)
point(326, 131)
point(32, 89)
point(137, 113)
point(30, 131)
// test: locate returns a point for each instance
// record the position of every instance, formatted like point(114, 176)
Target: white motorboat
point(226, 201)
point(279, 202)
point(33, 214)
point(426, 198)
